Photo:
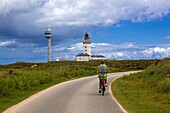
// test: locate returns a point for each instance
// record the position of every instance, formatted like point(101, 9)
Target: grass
point(145, 92)
point(24, 81)
point(19, 95)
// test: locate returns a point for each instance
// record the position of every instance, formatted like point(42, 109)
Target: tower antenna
point(48, 36)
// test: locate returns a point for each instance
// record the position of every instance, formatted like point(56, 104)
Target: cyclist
point(102, 71)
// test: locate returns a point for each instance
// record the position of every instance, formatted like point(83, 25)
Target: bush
point(7, 86)
point(154, 74)
point(150, 70)
point(164, 86)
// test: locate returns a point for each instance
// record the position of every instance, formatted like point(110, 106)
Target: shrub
point(164, 86)
point(7, 86)
point(150, 70)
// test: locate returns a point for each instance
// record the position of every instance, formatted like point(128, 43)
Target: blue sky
point(126, 29)
point(155, 32)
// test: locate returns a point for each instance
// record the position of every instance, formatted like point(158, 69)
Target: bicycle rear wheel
point(103, 89)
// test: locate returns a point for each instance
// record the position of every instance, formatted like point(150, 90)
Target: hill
point(145, 92)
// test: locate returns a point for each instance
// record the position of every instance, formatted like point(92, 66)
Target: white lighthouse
point(86, 55)
point(87, 43)
point(48, 36)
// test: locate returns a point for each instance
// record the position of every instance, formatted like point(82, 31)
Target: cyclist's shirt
point(102, 68)
point(102, 71)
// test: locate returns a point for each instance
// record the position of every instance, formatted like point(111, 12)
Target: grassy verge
point(20, 95)
point(146, 92)
point(23, 80)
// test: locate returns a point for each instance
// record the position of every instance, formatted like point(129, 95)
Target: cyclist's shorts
point(103, 76)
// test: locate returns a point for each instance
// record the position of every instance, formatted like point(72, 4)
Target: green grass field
point(145, 92)
point(19, 81)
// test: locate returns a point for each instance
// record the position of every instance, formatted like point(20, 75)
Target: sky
point(118, 29)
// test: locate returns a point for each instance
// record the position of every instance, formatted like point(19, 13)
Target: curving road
point(76, 96)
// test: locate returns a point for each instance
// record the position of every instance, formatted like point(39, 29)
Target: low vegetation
point(145, 92)
point(20, 80)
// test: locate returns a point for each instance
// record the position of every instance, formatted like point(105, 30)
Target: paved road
point(76, 96)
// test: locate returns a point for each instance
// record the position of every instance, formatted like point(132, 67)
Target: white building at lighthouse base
point(83, 57)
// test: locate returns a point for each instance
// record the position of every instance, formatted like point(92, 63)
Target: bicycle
point(103, 86)
point(102, 82)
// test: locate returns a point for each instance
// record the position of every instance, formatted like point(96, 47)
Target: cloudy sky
point(119, 29)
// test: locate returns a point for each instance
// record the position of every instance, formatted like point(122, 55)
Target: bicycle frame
point(103, 86)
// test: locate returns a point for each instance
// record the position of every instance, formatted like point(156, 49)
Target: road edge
point(111, 93)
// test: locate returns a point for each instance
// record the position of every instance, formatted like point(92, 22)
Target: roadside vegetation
point(20, 80)
point(147, 91)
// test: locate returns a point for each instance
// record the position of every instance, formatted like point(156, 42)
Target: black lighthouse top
point(86, 39)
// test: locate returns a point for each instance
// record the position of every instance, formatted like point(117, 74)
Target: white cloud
point(110, 51)
point(96, 12)
point(99, 44)
point(70, 19)
point(6, 43)
point(85, 12)
point(19, 6)
point(59, 48)
point(119, 51)
point(157, 52)
point(75, 47)
point(168, 37)
point(128, 50)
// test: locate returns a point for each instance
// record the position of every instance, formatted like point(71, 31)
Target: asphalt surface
point(76, 96)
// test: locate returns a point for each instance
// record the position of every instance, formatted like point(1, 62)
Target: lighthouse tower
point(87, 43)
point(86, 55)
point(48, 36)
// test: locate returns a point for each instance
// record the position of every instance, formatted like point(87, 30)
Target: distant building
point(97, 57)
point(86, 55)
point(83, 57)
point(60, 59)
